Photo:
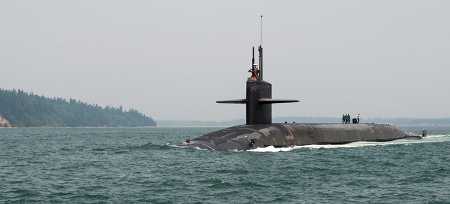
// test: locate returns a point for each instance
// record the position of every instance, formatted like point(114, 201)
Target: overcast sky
point(174, 59)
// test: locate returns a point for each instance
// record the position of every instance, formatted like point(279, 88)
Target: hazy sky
point(174, 59)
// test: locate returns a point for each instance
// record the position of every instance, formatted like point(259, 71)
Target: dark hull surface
point(244, 137)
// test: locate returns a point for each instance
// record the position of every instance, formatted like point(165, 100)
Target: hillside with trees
point(23, 109)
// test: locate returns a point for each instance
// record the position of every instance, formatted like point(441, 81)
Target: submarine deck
point(243, 137)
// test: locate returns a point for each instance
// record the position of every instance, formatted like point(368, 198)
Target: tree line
point(24, 109)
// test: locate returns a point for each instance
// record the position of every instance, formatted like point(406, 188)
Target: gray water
point(141, 165)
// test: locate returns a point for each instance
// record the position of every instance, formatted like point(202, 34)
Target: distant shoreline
point(22, 109)
point(437, 122)
point(56, 127)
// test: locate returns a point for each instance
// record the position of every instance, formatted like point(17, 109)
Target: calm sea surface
point(141, 165)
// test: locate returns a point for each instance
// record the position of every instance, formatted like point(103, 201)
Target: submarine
point(259, 131)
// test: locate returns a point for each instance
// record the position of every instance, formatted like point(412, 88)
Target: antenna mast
point(260, 50)
point(261, 30)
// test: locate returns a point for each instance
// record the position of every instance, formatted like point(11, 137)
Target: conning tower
point(258, 99)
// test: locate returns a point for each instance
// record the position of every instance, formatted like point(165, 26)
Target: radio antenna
point(261, 30)
point(260, 50)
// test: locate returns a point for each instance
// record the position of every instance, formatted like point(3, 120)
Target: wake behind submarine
point(259, 131)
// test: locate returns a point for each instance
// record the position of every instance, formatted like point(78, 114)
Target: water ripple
point(138, 165)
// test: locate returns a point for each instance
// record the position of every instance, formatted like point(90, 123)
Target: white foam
point(185, 147)
point(428, 139)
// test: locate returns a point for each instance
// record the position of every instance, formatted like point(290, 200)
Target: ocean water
point(142, 165)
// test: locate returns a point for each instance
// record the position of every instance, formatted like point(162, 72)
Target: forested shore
point(22, 109)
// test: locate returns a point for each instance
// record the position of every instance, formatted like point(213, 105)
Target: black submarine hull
point(245, 137)
point(259, 130)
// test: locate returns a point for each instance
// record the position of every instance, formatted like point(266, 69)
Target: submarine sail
point(258, 99)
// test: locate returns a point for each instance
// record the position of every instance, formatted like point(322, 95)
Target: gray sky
point(174, 59)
